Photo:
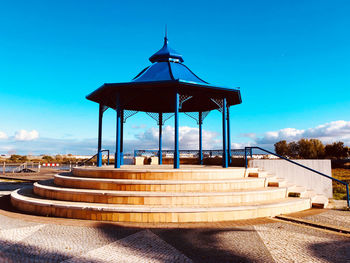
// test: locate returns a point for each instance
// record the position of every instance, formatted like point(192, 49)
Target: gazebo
point(162, 90)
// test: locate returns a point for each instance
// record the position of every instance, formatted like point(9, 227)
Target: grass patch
point(339, 190)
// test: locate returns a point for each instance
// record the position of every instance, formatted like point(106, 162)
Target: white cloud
point(144, 140)
point(327, 133)
point(188, 138)
point(288, 134)
point(24, 142)
point(3, 135)
point(23, 135)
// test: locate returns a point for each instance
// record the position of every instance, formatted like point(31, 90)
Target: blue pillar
point(121, 137)
point(160, 153)
point(176, 141)
point(117, 137)
point(228, 136)
point(224, 135)
point(99, 143)
point(200, 138)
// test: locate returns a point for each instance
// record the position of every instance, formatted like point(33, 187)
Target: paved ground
point(44, 174)
point(28, 241)
point(27, 238)
point(337, 218)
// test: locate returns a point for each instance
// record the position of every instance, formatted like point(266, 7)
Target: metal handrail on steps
point(84, 162)
point(250, 151)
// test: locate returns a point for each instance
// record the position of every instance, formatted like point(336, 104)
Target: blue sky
point(290, 58)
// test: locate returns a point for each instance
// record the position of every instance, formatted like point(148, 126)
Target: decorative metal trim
point(167, 116)
point(195, 116)
point(183, 98)
point(104, 108)
point(155, 116)
point(205, 114)
point(128, 113)
point(218, 102)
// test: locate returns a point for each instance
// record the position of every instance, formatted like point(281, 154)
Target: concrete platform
point(25, 200)
point(159, 194)
point(48, 189)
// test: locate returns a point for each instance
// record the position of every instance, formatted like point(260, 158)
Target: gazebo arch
point(165, 87)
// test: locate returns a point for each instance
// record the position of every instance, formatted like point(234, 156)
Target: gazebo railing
point(194, 153)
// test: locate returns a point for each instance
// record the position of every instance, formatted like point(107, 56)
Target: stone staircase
point(194, 194)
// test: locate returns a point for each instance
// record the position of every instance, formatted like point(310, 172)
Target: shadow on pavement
point(18, 252)
point(205, 244)
point(334, 251)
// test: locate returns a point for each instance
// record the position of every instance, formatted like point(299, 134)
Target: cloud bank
point(3, 136)
point(327, 133)
point(25, 142)
point(23, 135)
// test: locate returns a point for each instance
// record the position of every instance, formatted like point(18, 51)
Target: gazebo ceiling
point(153, 89)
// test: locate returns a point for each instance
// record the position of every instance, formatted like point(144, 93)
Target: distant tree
point(336, 150)
point(311, 149)
point(347, 149)
point(304, 148)
point(23, 158)
point(318, 149)
point(281, 148)
point(293, 150)
point(14, 157)
point(47, 158)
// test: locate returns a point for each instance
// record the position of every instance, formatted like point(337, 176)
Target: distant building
point(5, 156)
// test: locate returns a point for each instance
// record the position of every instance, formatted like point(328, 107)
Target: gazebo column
point(99, 142)
point(117, 137)
point(176, 139)
point(228, 136)
point(160, 153)
point(200, 138)
point(224, 135)
point(121, 137)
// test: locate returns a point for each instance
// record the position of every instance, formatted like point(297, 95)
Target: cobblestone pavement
point(332, 217)
point(23, 240)
point(26, 238)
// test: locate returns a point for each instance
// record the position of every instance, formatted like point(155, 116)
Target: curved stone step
point(47, 189)
point(24, 200)
point(142, 173)
point(158, 185)
point(277, 182)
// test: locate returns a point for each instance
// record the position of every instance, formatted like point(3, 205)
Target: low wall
point(298, 175)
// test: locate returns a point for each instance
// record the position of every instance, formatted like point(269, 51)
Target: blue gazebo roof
point(167, 65)
point(166, 53)
point(153, 88)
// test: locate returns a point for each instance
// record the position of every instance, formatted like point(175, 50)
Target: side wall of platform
point(298, 175)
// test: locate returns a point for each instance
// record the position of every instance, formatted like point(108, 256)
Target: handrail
point(298, 164)
point(19, 168)
point(84, 162)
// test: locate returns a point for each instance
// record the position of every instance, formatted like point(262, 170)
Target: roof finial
point(166, 35)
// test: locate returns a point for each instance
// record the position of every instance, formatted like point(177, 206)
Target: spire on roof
point(166, 53)
point(166, 32)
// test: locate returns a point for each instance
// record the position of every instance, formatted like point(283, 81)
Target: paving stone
point(332, 217)
point(291, 243)
point(259, 241)
point(218, 244)
point(8, 223)
point(143, 246)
